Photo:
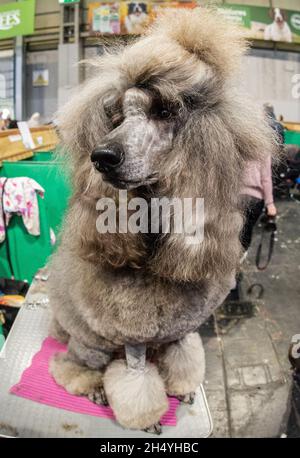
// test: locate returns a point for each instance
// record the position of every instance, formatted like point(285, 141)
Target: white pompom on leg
point(137, 397)
point(182, 365)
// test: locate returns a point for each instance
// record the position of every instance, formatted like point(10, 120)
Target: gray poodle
point(161, 117)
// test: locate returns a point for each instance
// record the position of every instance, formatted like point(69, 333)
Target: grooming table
point(21, 417)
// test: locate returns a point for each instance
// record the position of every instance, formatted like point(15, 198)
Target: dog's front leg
point(80, 370)
point(182, 367)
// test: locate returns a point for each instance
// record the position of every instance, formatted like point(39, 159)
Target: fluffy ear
point(248, 124)
point(271, 13)
point(209, 161)
point(206, 33)
point(284, 15)
point(83, 122)
point(206, 164)
point(115, 250)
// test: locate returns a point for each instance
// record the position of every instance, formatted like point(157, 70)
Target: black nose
point(107, 159)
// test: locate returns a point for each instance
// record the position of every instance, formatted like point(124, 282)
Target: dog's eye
point(165, 114)
point(162, 113)
point(162, 109)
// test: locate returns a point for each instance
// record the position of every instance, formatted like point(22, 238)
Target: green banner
point(274, 24)
point(17, 19)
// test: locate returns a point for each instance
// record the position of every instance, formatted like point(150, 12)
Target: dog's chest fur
point(112, 306)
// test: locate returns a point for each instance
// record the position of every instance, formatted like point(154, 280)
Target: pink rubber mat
point(38, 385)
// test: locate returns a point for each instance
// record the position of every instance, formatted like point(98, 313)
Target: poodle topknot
point(161, 117)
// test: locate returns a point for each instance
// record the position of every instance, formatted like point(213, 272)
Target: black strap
point(259, 249)
point(5, 230)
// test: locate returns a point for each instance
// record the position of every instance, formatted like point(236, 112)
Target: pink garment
point(258, 181)
point(18, 196)
point(38, 385)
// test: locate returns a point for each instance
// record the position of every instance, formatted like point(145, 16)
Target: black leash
point(268, 227)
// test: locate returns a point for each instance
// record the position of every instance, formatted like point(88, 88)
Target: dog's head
point(147, 119)
point(137, 8)
point(162, 114)
point(130, 117)
point(278, 15)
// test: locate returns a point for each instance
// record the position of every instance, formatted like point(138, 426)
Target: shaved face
point(145, 121)
point(142, 126)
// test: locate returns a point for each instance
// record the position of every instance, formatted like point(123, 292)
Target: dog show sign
point(273, 24)
point(17, 19)
point(128, 17)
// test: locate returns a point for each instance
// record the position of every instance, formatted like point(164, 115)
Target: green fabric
point(41, 156)
point(2, 339)
point(292, 138)
point(29, 253)
point(5, 271)
point(51, 177)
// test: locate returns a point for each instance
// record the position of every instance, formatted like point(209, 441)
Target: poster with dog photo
point(104, 18)
point(134, 17)
point(274, 24)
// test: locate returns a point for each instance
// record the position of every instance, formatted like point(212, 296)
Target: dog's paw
point(187, 398)
point(154, 429)
point(98, 396)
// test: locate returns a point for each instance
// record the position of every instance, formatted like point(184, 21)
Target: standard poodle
point(161, 118)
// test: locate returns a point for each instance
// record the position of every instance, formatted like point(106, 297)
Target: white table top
point(24, 418)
